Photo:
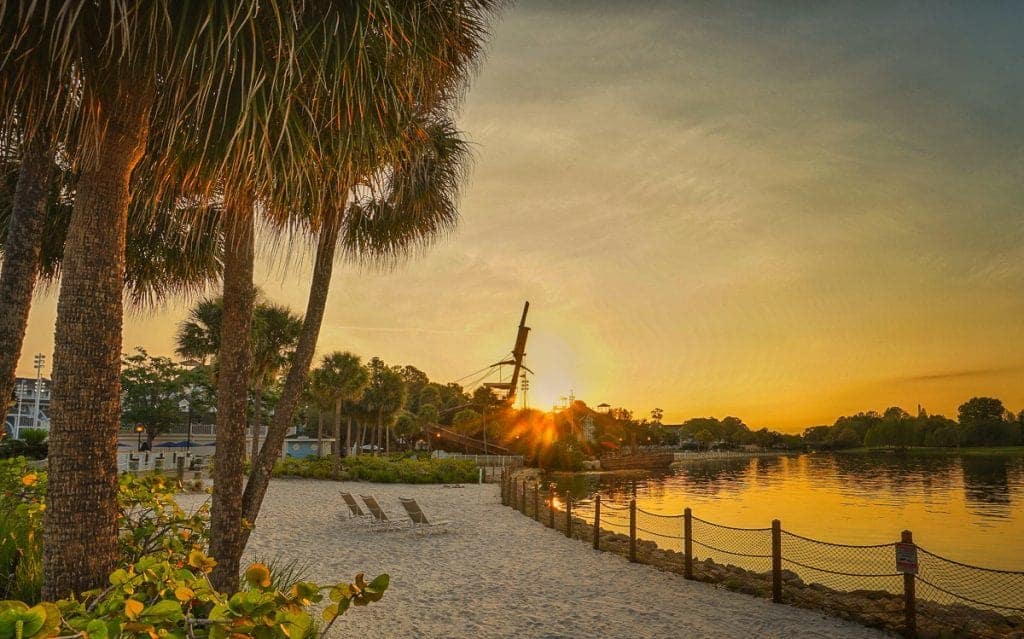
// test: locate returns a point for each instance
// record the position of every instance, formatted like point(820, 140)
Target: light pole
point(20, 391)
point(139, 428)
point(186, 407)
point(40, 361)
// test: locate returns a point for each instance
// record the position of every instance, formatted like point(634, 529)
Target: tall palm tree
point(121, 60)
point(384, 397)
point(22, 249)
point(275, 333)
point(318, 396)
point(340, 378)
point(415, 206)
point(355, 73)
point(452, 37)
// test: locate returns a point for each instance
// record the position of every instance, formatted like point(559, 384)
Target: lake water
point(966, 508)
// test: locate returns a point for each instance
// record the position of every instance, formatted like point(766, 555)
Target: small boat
point(646, 461)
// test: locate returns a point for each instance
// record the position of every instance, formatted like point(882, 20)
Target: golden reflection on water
point(970, 509)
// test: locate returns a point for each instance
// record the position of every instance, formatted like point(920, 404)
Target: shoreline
point(862, 602)
point(498, 574)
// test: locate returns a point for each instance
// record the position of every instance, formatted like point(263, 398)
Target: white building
point(30, 407)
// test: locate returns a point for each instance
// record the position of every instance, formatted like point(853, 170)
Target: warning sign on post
point(906, 558)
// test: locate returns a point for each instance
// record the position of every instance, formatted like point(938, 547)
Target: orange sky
point(781, 216)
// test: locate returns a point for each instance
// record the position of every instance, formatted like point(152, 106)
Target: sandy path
point(500, 574)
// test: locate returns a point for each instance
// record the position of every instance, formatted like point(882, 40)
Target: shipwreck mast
point(518, 353)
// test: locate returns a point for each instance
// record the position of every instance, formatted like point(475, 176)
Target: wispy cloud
point(956, 375)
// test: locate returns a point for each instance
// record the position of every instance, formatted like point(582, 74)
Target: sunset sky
point(780, 211)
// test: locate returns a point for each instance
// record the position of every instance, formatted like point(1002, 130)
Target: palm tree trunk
point(380, 432)
point(257, 419)
point(80, 521)
point(348, 437)
point(233, 381)
point(298, 372)
point(319, 433)
point(22, 250)
point(362, 438)
point(336, 448)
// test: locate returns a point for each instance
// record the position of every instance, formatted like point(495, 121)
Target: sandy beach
point(499, 574)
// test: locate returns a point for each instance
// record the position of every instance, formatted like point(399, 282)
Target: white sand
point(499, 574)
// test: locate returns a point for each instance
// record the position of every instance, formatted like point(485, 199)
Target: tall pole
point(20, 392)
point(40, 361)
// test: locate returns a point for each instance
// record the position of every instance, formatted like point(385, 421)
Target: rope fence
point(898, 586)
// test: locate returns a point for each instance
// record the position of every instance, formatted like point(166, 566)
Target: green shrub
point(21, 524)
point(149, 521)
point(162, 598)
point(405, 468)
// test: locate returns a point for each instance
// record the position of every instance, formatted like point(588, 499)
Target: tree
point(110, 56)
point(384, 396)
point(341, 378)
point(656, 415)
point(275, 334)
point(880, 435)
point(152, 387)
point(704, 437)
point(22, 249)
point(417, 206)
point(984, 422)
point(465, 418)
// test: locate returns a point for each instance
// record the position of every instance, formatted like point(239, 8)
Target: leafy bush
point(401, 469)
point(160, 598)
point(21, 521)
point(31, 444)
point(149, 520)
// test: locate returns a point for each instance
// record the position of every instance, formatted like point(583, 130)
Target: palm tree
point(417, 206)
point(341, 378)
point(121, 60)
point(318, 395)
point(22, 250)
point(359, 70)
point(275, 333)
point(385, 397)
point(198, 336)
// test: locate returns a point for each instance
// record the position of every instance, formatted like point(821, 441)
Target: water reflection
point(966, 508)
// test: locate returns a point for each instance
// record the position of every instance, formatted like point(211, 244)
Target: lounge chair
point(378, 518)
point(355, 513)
point(420, 523)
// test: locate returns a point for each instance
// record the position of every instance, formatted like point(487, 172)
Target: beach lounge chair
point(355, 513)
point(420, 523)
point(378, 519)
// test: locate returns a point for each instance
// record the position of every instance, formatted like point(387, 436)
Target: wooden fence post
point(688, 543)
point(522, 496)
point(776, 561)
point(551, 503)
point(632, 530)
point(536, 500)
point(597, 522)
point(909, 594)
point(568, 515)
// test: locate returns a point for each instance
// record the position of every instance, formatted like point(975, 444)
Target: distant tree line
point(981, 421)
